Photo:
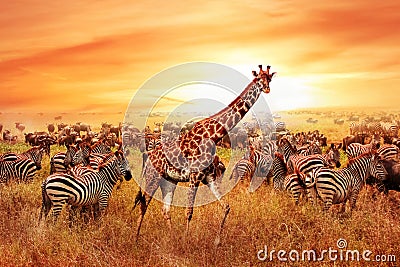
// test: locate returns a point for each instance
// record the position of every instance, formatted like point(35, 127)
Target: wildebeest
point(392, 181)
point(353, 139)
point(19, 126)
point(51, 128)
point(338, 121)
point(61, 126)
point(8, 137)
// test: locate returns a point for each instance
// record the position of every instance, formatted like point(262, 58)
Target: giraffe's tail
point(139, 198)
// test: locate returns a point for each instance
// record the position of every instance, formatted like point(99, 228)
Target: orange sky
point(92, 55)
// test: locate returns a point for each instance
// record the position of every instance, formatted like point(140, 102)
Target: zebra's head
point(37, 155)
point(86, 150)
point(123, 165)
point(377, 169)
point(73, 156)
point(334, 155)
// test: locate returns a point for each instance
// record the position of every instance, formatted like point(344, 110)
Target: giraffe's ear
point(272, 74)
point(254, 73)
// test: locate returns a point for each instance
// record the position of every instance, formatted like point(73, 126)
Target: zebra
point(62, 161)
point(301, 165)
point(245, 167)
point(255, 164)
point(100, 147)
point(278, 171)
point(286, 149)
point(374, 128)
point(294, 184)
point(358, 128)
point(355, 149)
point(338, 186)
point(269, 147)
point(280, 126)
point(22, 170)
point(305, 164)
point(390, 129)
point(91, 189)
point(35, 154)
point(388, 152)
point(309, 149)
point(151, 141)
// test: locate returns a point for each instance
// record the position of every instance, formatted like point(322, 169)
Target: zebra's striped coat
point(90, 189)
point(338, 186)
point(21, 170)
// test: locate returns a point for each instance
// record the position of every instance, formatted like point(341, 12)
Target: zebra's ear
point(118, 153)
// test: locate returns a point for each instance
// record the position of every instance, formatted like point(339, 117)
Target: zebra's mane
point(99, 143)
point(364, 155)
point(109, 158)
point(293, 149)
point(280, 157)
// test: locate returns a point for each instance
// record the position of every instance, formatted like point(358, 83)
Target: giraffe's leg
point(168, 190)
point(153, 179)
point(214, 187)
point(193, 186)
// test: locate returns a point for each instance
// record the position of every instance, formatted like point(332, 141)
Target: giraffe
point(192, 158)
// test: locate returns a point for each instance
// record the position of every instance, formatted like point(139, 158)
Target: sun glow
point(289, 93)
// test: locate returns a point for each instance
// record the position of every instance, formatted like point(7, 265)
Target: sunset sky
point(92, 55)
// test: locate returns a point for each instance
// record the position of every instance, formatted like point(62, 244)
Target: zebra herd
point(21, 166)
point(85, 174)
point(307, 171)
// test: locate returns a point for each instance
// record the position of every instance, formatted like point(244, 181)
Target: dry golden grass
point(258, 219)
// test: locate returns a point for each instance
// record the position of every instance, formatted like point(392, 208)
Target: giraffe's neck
point(230, 116)
point(217, 126)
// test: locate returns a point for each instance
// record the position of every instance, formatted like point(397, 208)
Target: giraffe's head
point(263, 78)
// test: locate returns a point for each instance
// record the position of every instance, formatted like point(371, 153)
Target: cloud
point(77, 55)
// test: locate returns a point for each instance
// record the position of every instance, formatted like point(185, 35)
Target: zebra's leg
point(296, 192)
point(72, 213)
point(214, 187)
point(353, 199)
point(168, 190)
point(343, 206)
point(152, 182)
point(57, 208)
point(328, 201)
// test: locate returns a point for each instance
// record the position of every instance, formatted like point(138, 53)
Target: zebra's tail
point(312, 184)
point(139, 198)
point(46, 202)
point(52, 168)
point(300, 180)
